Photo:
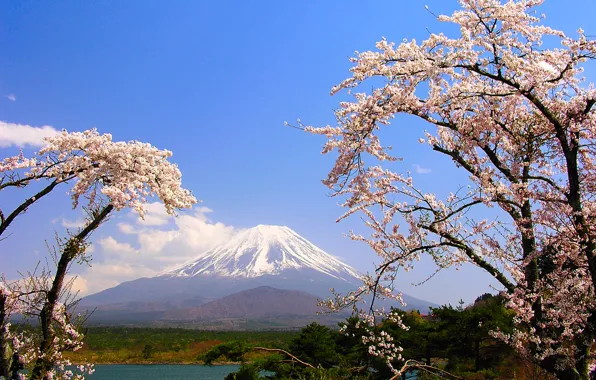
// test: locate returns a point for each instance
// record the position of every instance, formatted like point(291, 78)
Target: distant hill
point(263, 301)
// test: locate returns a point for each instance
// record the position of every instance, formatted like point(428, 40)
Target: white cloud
point(154, 241)
point(147, 249)
point(11, 97)
point(421, 170)
point(72, 223)
point(126, 228)
point(79, 285)
point(21, 135)
point(109, 244)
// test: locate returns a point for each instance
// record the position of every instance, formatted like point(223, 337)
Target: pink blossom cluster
point(23, 297)
point(380, 343)
point(126, 173)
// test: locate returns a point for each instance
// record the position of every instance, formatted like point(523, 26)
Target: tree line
point(448, 342)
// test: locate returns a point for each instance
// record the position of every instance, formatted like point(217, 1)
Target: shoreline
point(214, 364)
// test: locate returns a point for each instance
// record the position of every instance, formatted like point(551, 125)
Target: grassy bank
point(126, 345)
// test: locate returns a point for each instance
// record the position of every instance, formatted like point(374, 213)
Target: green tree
point(233, 351)
point(466, 333)
point(147, 351)
point(246, 372)
point(316, 345)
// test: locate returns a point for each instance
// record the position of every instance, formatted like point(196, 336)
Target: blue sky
point(214, 82)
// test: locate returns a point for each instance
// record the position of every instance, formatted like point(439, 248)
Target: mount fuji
point(263, 257)
point(265, 250)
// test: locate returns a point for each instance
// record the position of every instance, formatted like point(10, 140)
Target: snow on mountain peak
point(264, 250)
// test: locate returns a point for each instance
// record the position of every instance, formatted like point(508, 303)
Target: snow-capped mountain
point(263, 257)
point(273, 256)
point(264, 250)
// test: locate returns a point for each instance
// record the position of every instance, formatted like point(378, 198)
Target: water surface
point(158, 371)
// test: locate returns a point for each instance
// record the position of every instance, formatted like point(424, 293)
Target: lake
point(165, 372)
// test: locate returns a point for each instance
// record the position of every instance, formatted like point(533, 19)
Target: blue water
point(165, 372)
point(169, 372)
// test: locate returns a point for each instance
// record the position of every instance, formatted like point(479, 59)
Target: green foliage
point(352, 352)
point(231, 351)
point(465, 333)
point(246, 372)
point(454, 339)
point(331, 355)
point(316, 345)
point(147, 350)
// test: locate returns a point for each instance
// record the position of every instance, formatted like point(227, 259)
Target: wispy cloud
point(421, 170)
point(21, 135)
point(11, 97)
point(72, 223)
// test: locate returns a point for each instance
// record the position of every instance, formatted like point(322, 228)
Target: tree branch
point(286, 353)
point(6, 222)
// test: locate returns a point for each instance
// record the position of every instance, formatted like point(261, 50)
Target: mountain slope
point(258, 302)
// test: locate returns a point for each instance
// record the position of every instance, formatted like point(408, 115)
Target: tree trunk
point(70, 252)
point(5, 351)
point(477, 356)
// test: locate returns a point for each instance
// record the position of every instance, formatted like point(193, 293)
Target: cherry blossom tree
point(109, 176)
point(508, 105)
